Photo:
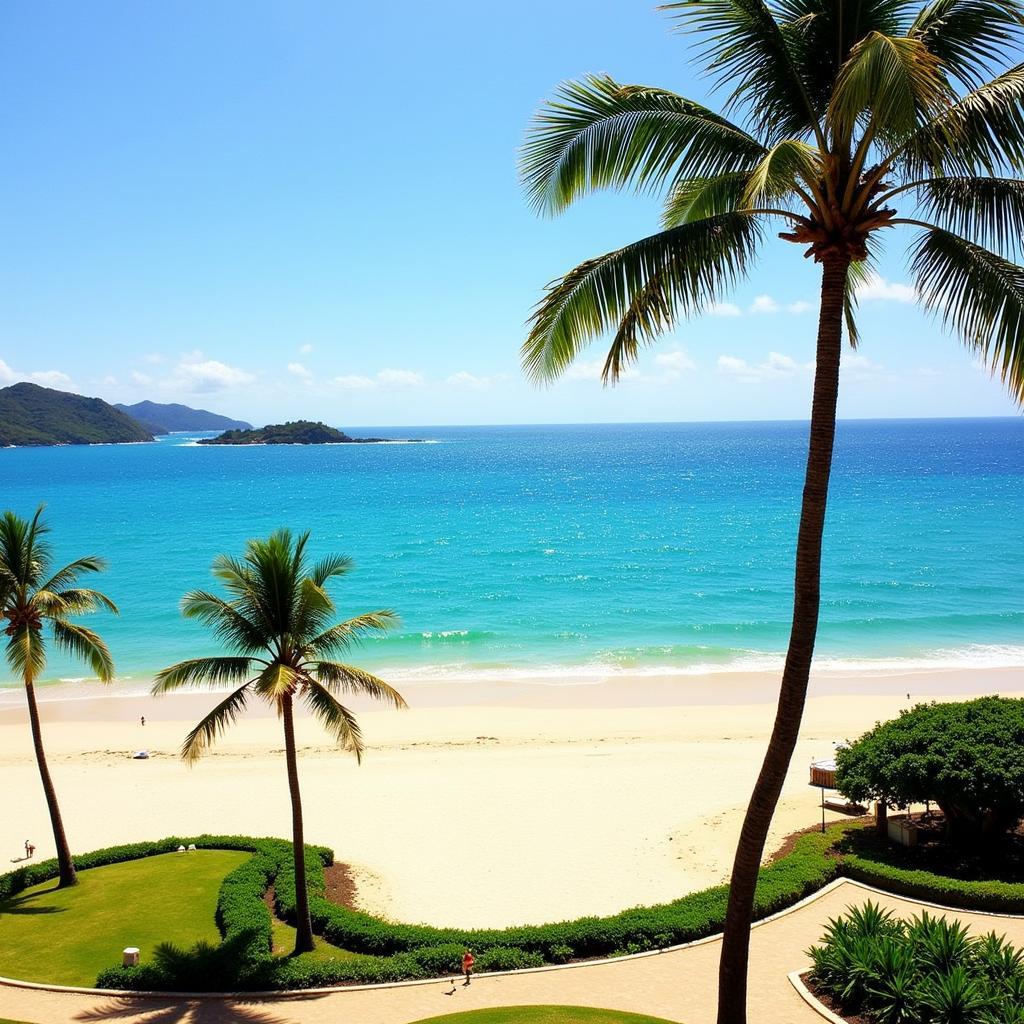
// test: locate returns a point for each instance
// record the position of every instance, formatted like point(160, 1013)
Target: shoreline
point(621, 688)
point(480, 806)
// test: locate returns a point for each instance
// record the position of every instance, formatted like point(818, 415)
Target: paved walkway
point(678, 985)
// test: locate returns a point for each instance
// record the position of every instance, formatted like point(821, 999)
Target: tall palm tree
point(32, 597)
point(278, 624)
point(844, 120)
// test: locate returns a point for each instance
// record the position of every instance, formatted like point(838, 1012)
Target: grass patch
point(284, 943)
point(67, 936)
point(544, 1015)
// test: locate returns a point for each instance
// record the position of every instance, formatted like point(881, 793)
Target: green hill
point(32, 415)
point(168, 417)
point(299, 432)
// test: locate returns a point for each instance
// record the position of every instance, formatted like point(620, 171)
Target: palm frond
point(858, 274)
point(970, 37)
point(893, 82)
point(981, 133)
point(598, 133)
point(76, 601)
point(68, 575)
point(203, 672)
point(26, 653)
point(334, 717)
point(313, 608)
point(275, 681)
point(213, 725)
point(754, 56)
point(786, 166)
point(229, 625)
point(989, 211)
point(979, 295)
point(328, 568)
point(343, 635)
point(821, 34)
point(348, 679)
point(85, 644)
point(23, 550)
point(680, 271)
point(702, 198)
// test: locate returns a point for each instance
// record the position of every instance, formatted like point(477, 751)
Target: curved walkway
point(678, 985)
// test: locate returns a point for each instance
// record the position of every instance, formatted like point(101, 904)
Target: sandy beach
point(481, 805)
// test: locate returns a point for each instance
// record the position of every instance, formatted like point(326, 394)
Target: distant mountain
point(161, 419)
point(299, 432)
point(32, 415)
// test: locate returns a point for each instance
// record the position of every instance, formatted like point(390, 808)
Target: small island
point(297, 432)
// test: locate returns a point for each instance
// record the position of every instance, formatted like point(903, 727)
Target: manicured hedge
point(397, 952)
point(875, 864)
point(388, 952)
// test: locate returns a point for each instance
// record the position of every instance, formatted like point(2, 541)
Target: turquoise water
point(563, 551)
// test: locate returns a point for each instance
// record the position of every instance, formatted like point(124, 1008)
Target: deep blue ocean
point(568, 550)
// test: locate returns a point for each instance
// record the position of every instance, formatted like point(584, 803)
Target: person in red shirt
point(467, 965)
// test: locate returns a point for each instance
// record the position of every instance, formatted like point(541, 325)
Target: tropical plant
point(277, 621)
point(843, 121)
point(924, 971)
point(963, 756)
point(33, 596)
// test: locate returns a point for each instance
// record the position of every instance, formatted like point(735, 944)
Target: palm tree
point(844, 120)
point(33, 596)
point(277, 621)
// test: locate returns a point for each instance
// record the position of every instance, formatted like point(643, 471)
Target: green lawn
point(284, 943)
point(544, 1015)
point(67, 936)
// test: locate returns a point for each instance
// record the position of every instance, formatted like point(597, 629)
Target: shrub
point(962, 756)
point(928, 969)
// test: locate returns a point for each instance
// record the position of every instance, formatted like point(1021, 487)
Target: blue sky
point(300, 209)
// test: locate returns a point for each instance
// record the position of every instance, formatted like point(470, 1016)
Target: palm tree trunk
point(732, 973)
point(65, 864)
point(303, 926)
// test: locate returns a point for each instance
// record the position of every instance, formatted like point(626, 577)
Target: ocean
point(565, 553)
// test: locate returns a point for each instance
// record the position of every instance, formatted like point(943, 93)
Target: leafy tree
point(277, 622)
point(966, 757)
point(33, 597)
point(845, 122)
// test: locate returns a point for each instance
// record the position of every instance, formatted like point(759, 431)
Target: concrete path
point(677, 985)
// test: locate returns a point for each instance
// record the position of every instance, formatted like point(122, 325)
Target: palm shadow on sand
point(189, 1011)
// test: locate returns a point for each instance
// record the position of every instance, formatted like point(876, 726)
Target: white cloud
point(592, 371)
point(879, 289)
point(299, 370)
point(400, 378)
point(47, 378)
point(856, 367)
point(305, 349)
point(109, 381)
point(725, 309)
point(798, 307)
point(142, 379)
point(675, 362)
point(200, 375)
point(51, 378)
point(353, 382)
point(465, 379)
point(153, 358)
point(775, 367)
point(764, 304)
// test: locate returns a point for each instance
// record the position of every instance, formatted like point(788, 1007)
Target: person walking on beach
point(30, 850)
point(143, 719)
point(467, 965)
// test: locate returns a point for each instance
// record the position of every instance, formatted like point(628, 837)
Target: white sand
point(481, 806)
